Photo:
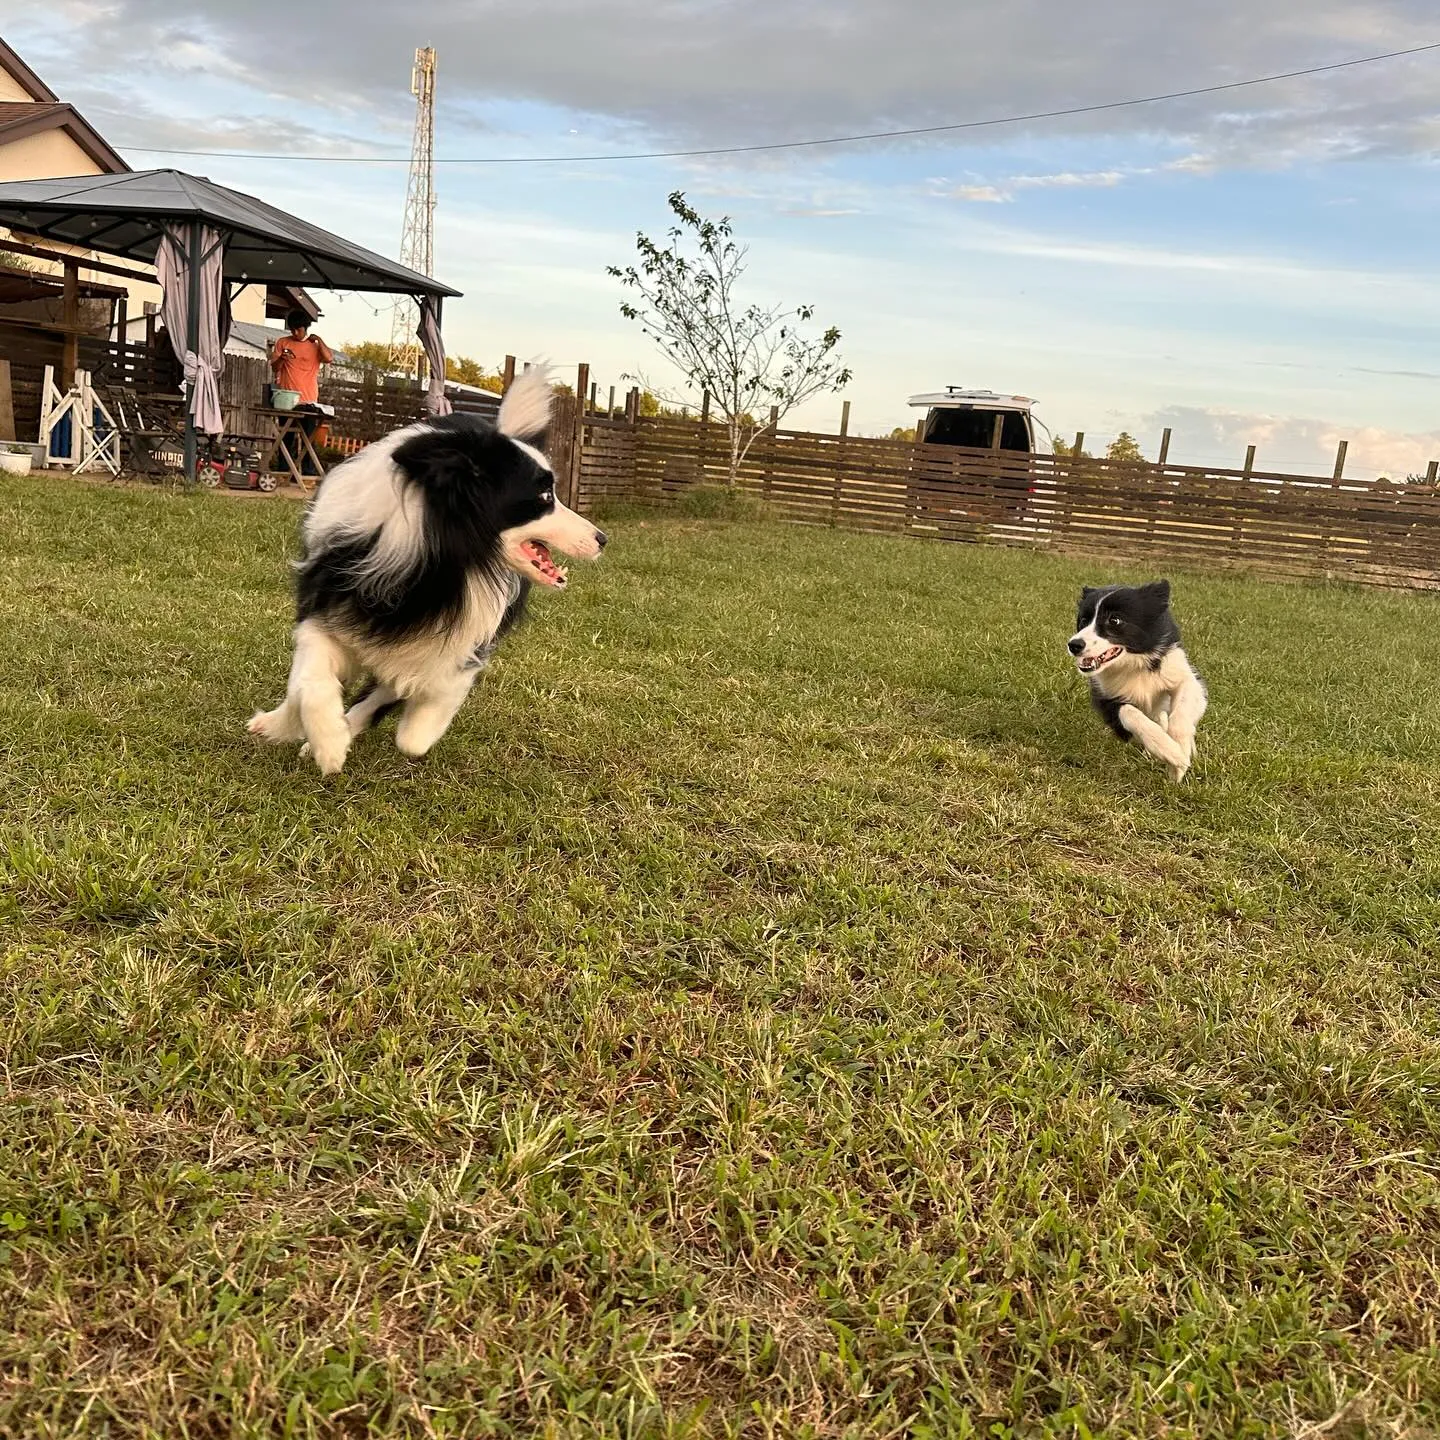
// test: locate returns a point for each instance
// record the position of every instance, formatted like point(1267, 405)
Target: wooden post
point(1249, 460)
point(768, 483)
point(1430, 471)
point(997, 432)
point(1164, 447)
point(370, 406)
point(594, 397)
point(567, 429)
point(1340, 460)
point(509, 376)
point(7, 403)
point(632, 405)
point(70, 321)
point(1079, 444)
point(845, 418)
point(577, 454)
point(610, 408)
point(702, 438)
point(560, 444)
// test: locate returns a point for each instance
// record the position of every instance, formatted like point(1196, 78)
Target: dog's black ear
point(1088, 591)
point(444, 468)
point(1158, 591)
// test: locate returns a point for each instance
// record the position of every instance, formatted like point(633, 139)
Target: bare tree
point(747, 358)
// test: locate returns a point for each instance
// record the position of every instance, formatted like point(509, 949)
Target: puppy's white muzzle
point(1091, 652)
point(527, 548)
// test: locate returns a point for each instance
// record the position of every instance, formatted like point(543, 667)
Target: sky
point(1253, 267)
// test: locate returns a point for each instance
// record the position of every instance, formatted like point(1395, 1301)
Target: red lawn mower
point(235, 470)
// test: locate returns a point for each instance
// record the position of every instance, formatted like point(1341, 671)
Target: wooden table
point(289, 423)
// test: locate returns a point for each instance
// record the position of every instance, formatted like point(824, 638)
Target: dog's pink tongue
point(539, 556)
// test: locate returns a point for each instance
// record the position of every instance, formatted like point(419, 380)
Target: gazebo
point(205, 240)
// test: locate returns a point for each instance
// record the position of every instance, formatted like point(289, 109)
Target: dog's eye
point(547, 497)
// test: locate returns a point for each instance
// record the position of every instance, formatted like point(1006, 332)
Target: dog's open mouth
point(537, 556)
point(1090, 663)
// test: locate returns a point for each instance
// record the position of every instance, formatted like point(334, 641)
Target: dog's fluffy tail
point(525, 410)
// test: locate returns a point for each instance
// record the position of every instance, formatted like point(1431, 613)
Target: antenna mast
point(417, 241)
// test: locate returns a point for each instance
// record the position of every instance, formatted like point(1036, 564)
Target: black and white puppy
point(1127, 644)
point(419, 553)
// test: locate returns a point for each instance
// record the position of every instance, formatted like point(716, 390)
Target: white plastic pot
point(15, 464)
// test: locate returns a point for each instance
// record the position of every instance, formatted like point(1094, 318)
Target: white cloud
point(1070, 180)
point(1289, 443)
point(1005, 190)
point(686, 73)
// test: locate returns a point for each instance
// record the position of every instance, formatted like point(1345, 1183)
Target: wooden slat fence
point(365, 410)
point(134, 365)
point(30, 349)
point(1378, 532)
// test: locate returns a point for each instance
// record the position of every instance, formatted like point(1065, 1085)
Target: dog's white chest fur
point(1158, 706)
point(1152, 691)
point(424, 659)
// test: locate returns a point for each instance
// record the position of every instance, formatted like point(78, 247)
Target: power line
point(811, 144)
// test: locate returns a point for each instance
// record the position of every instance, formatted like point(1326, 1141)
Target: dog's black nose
point(1076, 646)
point(601, 538)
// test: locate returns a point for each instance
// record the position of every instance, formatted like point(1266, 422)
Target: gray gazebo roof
point(124, 215)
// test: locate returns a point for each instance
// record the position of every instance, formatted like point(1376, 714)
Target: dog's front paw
point(329, 757)
point(1178, 772)
point(278, 726)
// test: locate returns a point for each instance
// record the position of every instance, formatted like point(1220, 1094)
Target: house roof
point(127, 214)
point(281, 299)
point(248, 338)
point(44, 111)
point(24, 76)
point(251, 340)
point(20, 119)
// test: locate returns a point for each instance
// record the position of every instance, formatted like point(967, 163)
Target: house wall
point(12, 89)
point(39, 157)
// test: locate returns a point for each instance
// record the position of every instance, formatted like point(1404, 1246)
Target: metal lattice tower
point(417, 242)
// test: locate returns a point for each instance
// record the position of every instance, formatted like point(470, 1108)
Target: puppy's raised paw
point(280, 726)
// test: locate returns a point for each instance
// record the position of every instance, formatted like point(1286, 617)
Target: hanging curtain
point(436, 400)
point(227, 317)
point(204, 364)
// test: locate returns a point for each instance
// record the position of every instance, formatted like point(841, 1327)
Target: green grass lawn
point(777, 1008)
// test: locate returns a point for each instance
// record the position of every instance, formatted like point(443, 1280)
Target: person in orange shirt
point(296, 359)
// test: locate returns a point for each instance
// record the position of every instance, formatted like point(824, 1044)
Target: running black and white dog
point(1127, 644)
point(419, 553)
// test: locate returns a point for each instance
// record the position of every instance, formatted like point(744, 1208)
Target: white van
point(981, 420)
point(968, 418)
